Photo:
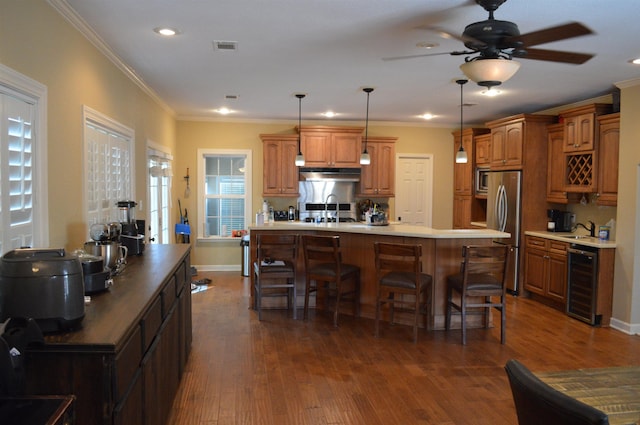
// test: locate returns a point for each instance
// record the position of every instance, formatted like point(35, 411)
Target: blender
point(130, 237)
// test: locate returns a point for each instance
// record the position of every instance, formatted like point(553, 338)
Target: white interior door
point(414, 188)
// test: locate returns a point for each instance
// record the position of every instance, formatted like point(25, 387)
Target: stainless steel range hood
point(330, 174)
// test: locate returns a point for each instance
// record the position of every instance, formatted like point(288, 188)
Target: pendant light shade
point(299, 158)
point(365, 159)
point(461, 155)
point(490, 72)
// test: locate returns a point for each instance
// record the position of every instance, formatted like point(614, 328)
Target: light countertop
point(573, 238)
point(393, 229)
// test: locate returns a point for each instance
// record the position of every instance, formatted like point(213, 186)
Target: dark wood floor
point(280, 371)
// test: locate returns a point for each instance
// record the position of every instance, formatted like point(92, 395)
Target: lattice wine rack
point(580, 173)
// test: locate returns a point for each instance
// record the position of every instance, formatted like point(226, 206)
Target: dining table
point(613, 390)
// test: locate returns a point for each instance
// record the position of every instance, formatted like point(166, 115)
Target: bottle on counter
point(265, 211)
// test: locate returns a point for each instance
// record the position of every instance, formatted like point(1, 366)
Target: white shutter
point(108, 162)
point(16, 172)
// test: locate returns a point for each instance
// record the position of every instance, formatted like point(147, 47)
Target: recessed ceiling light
point(223, 111)
point(490, 92)
point(635, 61)
point(166, 31)
point(426, 45)
point(329, 114)
point(427, 116)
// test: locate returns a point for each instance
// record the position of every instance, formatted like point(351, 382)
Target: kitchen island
point(124, 363)
point(441, 253)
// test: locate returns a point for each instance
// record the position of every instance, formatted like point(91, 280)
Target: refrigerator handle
point(502, 206)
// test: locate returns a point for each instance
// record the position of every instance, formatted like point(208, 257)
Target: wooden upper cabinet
point(506, 146)
point(378, 178)
point(579, 133)
point(338, 147)
point(608, 159)
point(518, 140)
point(280, 174)
point(580, 127)
point(556, 168)
point(482, 146)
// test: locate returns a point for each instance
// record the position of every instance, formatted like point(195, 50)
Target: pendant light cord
point(462, 83)
point(300, 96)
point(367, 90)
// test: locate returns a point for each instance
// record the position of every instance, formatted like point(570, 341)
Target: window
point(23, 189)
point(225, 191)
point(108, 163)
point(160, 173)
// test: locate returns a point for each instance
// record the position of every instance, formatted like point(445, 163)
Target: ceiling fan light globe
point(490, 72)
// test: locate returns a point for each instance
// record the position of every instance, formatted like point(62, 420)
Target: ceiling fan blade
point(396, 58)
point(449, 35)
point(446, 14)
point(555, 56)
point(547, 35)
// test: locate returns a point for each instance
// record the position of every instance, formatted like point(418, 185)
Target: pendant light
point(299, 157)
point(365, 159)
point(461, 155)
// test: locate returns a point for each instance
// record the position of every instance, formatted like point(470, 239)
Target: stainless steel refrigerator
point(503, 214)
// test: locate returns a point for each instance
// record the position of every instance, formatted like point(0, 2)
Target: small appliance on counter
point(558, 221)
point(280, 216)
point(96, 276)
point(43, 284)
point(131, 237)
point(106, 244)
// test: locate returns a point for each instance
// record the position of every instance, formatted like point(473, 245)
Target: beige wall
point(37, 42)
point(626, 302)
point(194, 135)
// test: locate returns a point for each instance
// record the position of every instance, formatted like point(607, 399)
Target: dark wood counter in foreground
point(125, 362)
point(441, 254)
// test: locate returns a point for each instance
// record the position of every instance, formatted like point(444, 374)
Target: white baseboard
point(628, 328)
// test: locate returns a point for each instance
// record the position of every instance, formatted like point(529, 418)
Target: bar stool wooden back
point(481, 285)
point(325, 272)
point(275, 270)
point(400, 282)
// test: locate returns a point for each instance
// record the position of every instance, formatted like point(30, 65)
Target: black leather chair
point(539, 404)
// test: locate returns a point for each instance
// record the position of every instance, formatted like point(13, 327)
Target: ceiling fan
point(496, 39)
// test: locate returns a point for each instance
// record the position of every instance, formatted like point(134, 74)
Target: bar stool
point(275, 270)
point(483, 276)
point(326, 272)
point(399, 271)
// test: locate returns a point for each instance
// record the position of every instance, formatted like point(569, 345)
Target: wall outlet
point(573, 219)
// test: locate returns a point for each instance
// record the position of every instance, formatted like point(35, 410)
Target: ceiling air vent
point(225, 46)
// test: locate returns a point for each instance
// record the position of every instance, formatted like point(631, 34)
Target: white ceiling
point(331, 49)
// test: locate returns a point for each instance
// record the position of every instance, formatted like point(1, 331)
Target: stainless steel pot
point(112, 252)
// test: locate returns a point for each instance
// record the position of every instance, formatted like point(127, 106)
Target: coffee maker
point(558, 221)
point(131, 236)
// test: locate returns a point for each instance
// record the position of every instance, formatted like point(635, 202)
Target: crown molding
point(67, 12)
point(628, 83)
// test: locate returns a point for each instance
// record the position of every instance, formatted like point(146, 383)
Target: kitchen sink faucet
point(591, 229)
point(326, 208)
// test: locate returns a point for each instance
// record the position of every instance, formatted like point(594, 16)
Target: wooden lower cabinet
point(125, 363)
point(546, 270)
point(462, 211)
